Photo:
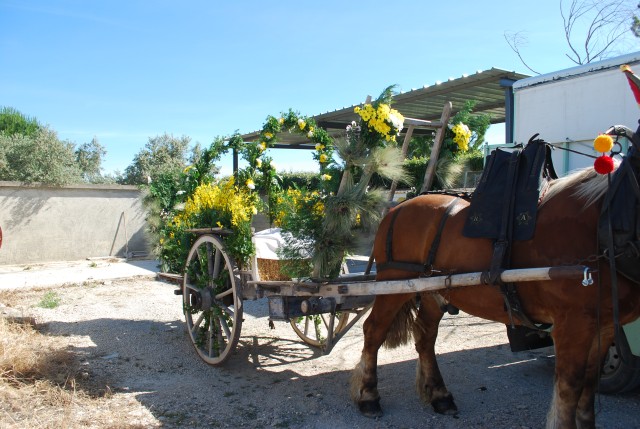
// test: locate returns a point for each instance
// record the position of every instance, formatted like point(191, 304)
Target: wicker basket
point(269, 270)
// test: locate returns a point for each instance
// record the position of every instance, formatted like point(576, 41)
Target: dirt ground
point(130, 339)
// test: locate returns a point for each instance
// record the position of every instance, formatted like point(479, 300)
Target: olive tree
point(38, 158)
point(89, 159)
point(161, 155)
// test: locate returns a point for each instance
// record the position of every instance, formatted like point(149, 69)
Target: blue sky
point(125, 71)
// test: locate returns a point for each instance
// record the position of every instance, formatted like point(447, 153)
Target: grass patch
point(51, 299)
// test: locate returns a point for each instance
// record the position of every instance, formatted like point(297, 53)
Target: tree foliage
point(89, 159)
point(13, 122)
point(39, 158)
point(635, 22)
point(30, 152)
point(162, 155)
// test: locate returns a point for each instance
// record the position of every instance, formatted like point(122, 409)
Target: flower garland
point(306, 126)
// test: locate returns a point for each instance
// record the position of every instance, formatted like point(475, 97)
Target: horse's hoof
point(370, 409)
point(445, 406)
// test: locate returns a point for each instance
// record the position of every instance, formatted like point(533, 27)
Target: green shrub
point(50, 300)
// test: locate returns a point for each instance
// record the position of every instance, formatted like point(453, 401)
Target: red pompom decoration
point(603, 164)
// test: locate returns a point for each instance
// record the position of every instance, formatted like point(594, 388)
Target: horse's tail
point(401, 329)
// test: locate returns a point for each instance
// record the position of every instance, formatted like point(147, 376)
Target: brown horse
point(582, 318)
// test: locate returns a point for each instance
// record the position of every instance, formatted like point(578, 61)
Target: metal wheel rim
point(612, 362)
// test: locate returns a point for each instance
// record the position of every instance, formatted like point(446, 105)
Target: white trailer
point(571, 107)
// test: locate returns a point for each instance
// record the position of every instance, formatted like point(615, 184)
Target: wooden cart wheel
point(314, 330)
point(212, 301)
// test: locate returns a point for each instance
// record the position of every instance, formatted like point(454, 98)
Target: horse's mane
point(588, 186)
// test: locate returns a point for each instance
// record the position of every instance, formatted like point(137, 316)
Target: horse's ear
point(533, 138)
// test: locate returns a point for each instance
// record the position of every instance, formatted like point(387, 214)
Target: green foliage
point(449, 170)
point(310, 180)
point(421, 146)
point(30, 153)
point(162, 154)
point(89, 159)
point(321, 227)
point(452, 161)
point(41, 158)
point(13, 122)
point(50, 300)
point(166, 195)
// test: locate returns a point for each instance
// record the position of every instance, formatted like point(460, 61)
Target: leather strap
point(415, 267)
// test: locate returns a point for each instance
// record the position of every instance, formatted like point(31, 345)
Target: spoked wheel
point(314, 330)
point(212, 302)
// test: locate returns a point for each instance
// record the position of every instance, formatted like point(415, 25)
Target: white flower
point(273, 164)
point(310, 134)
point(180, 192)
point(353, 123)
point(396, 122)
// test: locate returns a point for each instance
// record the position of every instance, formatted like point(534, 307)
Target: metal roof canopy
point(491, 89)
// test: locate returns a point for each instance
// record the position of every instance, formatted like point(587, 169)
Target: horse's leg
point(429, 382)
point(573, 340)
point(364, 380)
point(585, 413)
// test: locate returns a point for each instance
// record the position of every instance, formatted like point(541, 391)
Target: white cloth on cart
point(267, 243)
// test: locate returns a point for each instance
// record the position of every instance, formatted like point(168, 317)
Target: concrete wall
point(42, 224)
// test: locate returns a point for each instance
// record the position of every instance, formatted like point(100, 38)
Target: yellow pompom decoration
point(603, 143)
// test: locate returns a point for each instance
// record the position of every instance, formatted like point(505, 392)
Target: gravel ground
point(130, 336)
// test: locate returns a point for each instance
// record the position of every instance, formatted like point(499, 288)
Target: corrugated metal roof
point(607, 64)
point(485, 87)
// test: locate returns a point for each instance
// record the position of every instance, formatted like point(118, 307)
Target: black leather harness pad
point(485, 218)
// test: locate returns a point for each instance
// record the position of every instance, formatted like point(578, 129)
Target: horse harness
point(503, 208)
point(619, 227)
